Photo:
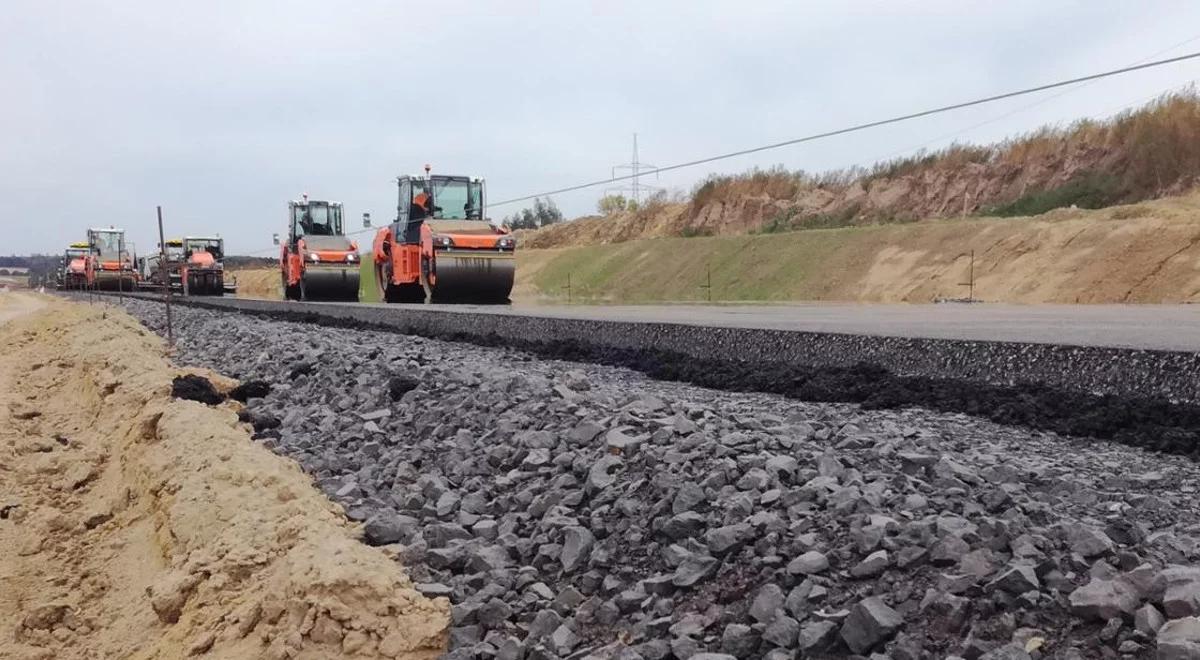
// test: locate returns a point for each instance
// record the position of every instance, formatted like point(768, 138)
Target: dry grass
point(774, 183)
point(954, 156)
point(1139, 154)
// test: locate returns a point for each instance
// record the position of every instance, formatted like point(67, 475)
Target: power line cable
point(840, 131)
point(859, 127)
point(1034, 104)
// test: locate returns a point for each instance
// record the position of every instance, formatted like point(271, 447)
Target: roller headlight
point(506, 243)
point(314, 257)
point(351, 256)
point(443, 241)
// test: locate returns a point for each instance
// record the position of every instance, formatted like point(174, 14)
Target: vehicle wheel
point(405, 293)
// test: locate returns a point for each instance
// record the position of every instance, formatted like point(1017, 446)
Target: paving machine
point(150, 266)
point(318, 261)
point(442, 248)
point(114, 262)
point(76, 271)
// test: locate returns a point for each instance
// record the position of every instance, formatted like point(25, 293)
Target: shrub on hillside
point(613, 204)
point(541, 214)
point(1092, 190)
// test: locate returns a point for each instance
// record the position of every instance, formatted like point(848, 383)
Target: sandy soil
point(133, 525)
point(262, 283)
point(15, 304)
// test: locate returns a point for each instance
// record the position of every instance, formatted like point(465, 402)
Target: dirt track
point(134, 525)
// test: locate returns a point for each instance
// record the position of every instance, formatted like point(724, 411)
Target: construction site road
point(1102, 351)
point(1153, 327)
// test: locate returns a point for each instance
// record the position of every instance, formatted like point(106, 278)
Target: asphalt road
point(1161, 327)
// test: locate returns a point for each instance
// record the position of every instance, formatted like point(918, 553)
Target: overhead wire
point(855, 128)
point(1042, 101)
point(843, 131)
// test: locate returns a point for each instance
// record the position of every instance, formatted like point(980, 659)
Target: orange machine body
point(441, 248)
point(78, 268)
point(317, 261)
point(112, 260)
point(202, 271)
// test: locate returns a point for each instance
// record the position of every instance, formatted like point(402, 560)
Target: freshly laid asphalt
point(1155, 327)
point(1147, 352)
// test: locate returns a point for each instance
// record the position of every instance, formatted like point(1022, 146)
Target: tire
point(405, 293)
point(391, 294)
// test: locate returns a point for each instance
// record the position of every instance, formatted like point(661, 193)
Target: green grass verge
point(367, 291)
point(751, 268)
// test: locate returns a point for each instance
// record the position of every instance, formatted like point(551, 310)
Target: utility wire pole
point(970, 279)
point(166, 278)
point(636, 167)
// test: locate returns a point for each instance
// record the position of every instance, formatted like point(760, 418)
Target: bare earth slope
point(134, 525)
point(1142, 253)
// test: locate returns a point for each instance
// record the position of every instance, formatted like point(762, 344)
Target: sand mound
point(133, 525)
point(260, 283)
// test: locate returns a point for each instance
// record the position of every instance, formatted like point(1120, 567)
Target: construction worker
point(420, 207)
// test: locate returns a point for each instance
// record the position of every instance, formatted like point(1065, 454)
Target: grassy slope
point(1148, 252)
point(674, 269)
point(367, 291)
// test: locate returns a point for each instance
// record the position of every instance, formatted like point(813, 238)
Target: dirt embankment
point(1142, 253)
point(134, 525)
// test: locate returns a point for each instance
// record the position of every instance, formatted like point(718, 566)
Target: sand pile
point(133, 525)
point(258, 283)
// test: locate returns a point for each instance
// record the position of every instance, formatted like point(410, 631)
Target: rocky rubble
point(570, 510)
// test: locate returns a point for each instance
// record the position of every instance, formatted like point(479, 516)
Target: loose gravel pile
point(571, 510)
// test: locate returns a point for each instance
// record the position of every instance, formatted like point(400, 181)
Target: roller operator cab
point(442, 248)
point(113, 259)
point(317, 261)
point(76, 271)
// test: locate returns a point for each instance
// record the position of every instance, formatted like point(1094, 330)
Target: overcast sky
point(221, 111)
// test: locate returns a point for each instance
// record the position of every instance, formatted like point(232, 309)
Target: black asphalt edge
point(1139, 397)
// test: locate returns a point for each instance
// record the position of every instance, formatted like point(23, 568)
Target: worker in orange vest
point(420, 207)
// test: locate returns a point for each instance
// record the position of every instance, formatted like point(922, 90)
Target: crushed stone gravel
point(576, 510)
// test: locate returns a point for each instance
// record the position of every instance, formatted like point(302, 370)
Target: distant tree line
point(235, 261)
point(541, 214)
point(36, 263)
point(12, 261)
